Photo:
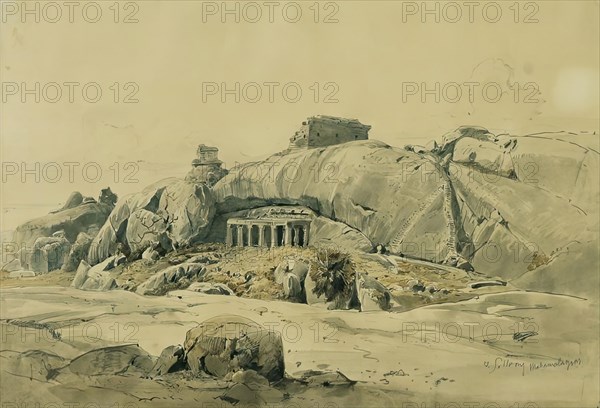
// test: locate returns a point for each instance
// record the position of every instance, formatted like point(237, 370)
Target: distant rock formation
point(76, 217)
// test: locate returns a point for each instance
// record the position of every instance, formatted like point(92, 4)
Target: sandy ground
point(462, 353)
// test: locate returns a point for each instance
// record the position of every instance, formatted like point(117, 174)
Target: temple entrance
point(300, 236)
point(267, 240)
point(279, 235)
point(297, 236)
point(255, 230)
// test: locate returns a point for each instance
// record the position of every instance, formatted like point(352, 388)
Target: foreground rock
point(210, 288)
point(171, 359)
point(33, 364)
point(226, 344)
point(97, 277)
point(170, 278)
point(112, 361)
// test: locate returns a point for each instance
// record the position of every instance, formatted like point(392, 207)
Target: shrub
point(333, 274)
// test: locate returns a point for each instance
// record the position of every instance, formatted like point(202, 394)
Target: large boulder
point(80, 275)
point(78, 252)
point(171, 359)
point(172, 211)
point(487, 156)
point(114, 229)
point(49, 253)
point(97, 278)
point(144, 228)
point(223, 345)
point(531, 227)
point(371, 294)
point(291, 274)
point(169, 277)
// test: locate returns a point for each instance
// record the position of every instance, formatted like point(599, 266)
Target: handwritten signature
point(501, 363)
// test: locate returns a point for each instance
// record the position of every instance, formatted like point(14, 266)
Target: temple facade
point(271, 230)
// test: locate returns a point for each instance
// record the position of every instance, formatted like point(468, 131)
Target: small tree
point(333, 274)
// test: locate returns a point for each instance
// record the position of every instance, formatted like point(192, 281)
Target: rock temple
point(277, 227)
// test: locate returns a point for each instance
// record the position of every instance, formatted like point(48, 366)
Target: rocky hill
point(521, 208)
point(524, 209)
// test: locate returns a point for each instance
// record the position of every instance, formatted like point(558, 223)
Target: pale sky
point(371, 59)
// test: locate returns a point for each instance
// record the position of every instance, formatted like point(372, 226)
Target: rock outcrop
point(371, 294)
point(211, 288)
point(367, 185)
point(502, 205)
point(96, 277)
point(528, 212)
point(171, 359)
point(225, 345)
point(78, 252)
point(291, 274)
point(85, 217)
point(171, 212)
point(172, 275)
point(522, 209)
point(49, 253)
point(113, 360)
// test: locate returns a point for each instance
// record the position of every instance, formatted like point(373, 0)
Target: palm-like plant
point(333, 274)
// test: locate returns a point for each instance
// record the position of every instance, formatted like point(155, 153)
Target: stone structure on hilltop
point(207, 168)
point(277, 227)
point(321, 131)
